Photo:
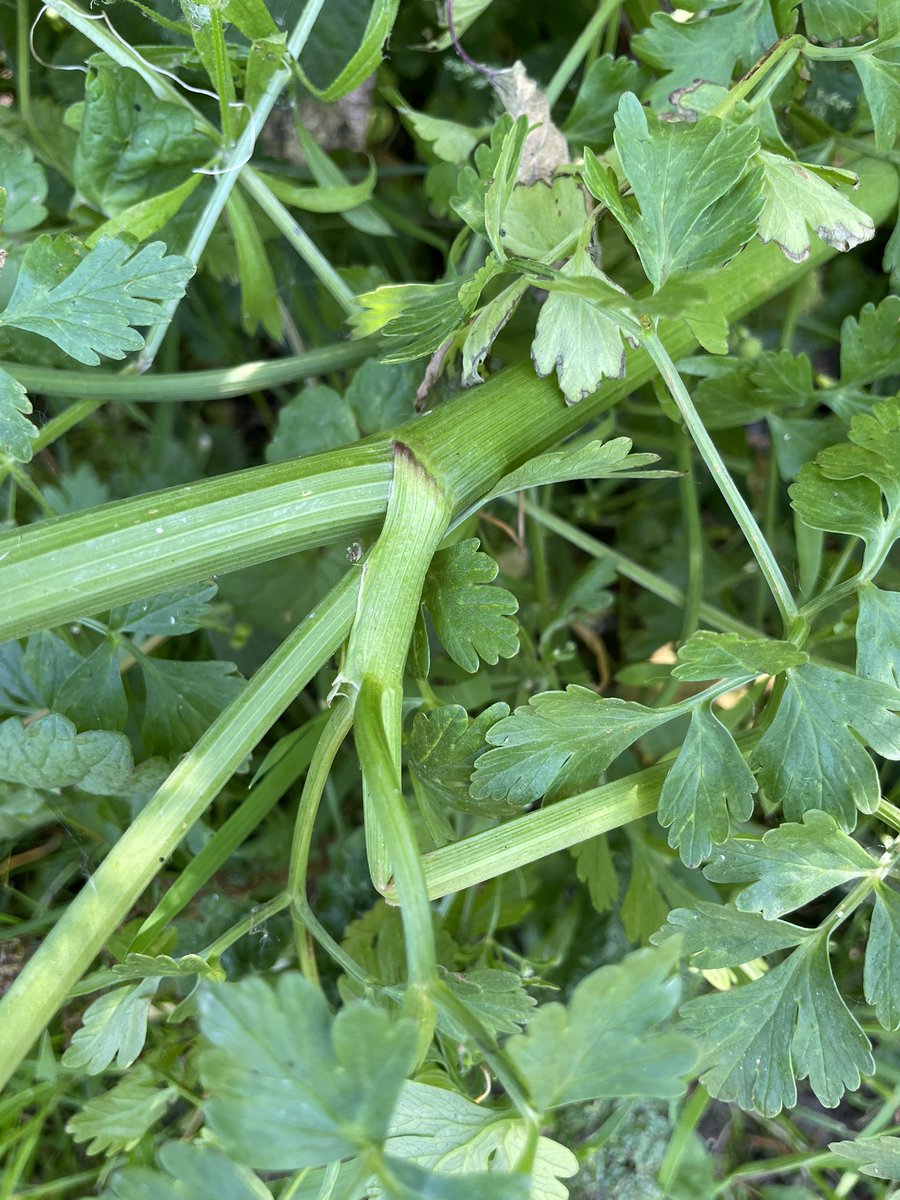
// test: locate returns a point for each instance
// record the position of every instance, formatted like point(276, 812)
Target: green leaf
point(878, 1156)
point(485, 327)
point(194, 1171)
point(259, 292)
point(870, 348)
point(49, 753)
point(698, 196)
point(443, 747)
point(473, 181)
point(251, 17)
point(591, 116)
point(407, 1181)
point(92, 311)
point(335, 197)
point(797, 200)
point(472, 618)
point(812, 755)
point(25, 184)
point(448, 140)
point(878, 635)
point(575, 338)
point(183, 700)
point(115, 1121)
point(146, 217)
point(502, 184)
point(170, 614)
point(114, 1027)
point(789, 1024)
point(16, 431)
point(719, 935)
point(142, 966)
point(497, 998)
point(325, 68)
point(709, 783)
point(708, 655)
point(93, 696)
point(604, 1042)
point(131, 145)
point(881, 978)
point(316, 419)
point(290, 1085)
point(790, 865)
point(879, 73)
point(441, 1130)
point(558, 744)
point(832, 20)
point(707, 47)
point(539, 216)
point(417, 317)
point(382, 395)
point(594, 866)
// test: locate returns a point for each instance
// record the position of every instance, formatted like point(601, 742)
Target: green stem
point(260, 801)
point(220, 383)
point(258, 915)
point(526, 839)
point(299, 240)
point(690, 515)
point(91, 561)
point(726, 485)
point(579, 49)
point(222, 81)
point(23, 61)
point(788, 48)
point(332, 738)
point(110, 893)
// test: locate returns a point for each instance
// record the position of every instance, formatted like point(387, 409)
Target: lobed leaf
point(92, 311)
point(116, 1120)
point(472, 618)
point(114, 1027)
point(707, 655)
point(16, 431)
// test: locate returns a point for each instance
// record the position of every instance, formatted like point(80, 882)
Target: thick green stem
point(110, 893)
point(77, 565)
point(762, 552)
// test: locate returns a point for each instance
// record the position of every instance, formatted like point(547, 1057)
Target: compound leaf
point(604, 1042)
point(180, 611)
point(597, 460)
point(193, 1171)
point(115, 1121)
point(290, 1085)
point(708, 782)
point(708, 48)
point(797, 200)
point(16, 431)
point(113, 1027)
point(183, 699)
point(443, 747)
point(142, 966)
point(881, 978)
point(698, 196)
point(93, 310)
point(870, 348)
point(879, 74)
point(443, 1131)
point(576, 338)
point(812, 755)
point(719, 935)
point(591, 117)
point(594, 866)
point(557, 744)
point(878, 1156)
point(878, 635)
point(708, 655)
point(471, 617)
point(496, 997)
point(789, 1024)
point(790, 865)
